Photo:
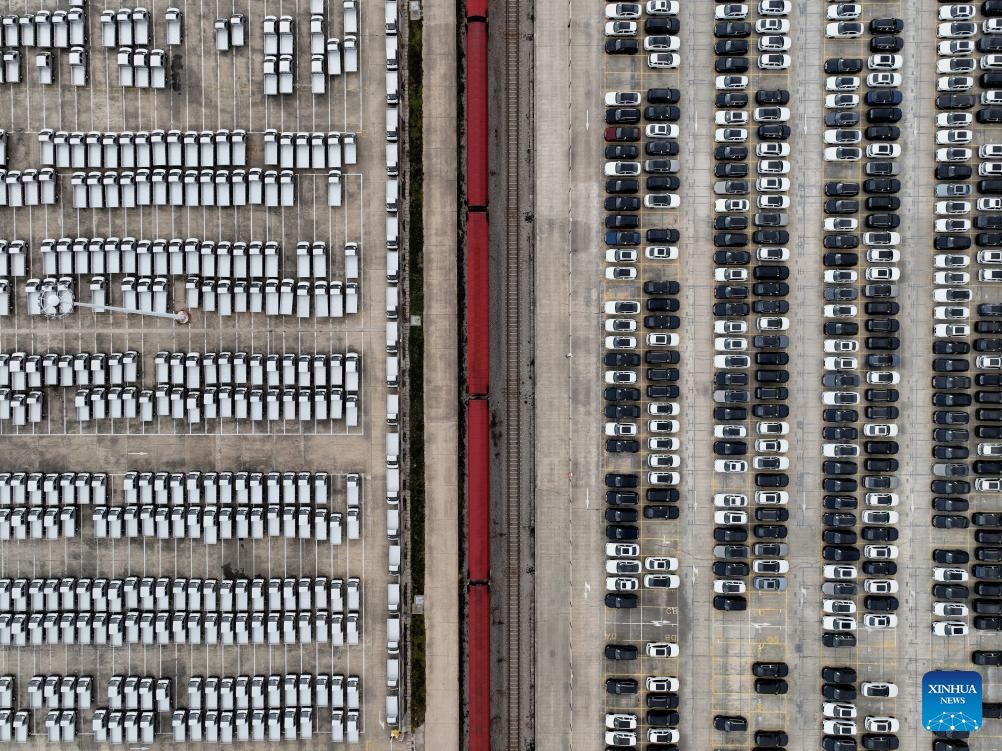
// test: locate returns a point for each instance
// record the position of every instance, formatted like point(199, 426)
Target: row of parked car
point(641, 177)
point(861, 358)
point(641, 358)
point(751, 253)
point(660, 28)
point(750, 308)
point(862, 111)
point(967, 461)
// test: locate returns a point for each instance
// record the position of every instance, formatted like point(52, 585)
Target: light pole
point(56, 302)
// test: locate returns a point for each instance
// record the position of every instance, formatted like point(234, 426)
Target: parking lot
point(641, 303)
point(264, 428)
point(715, 663)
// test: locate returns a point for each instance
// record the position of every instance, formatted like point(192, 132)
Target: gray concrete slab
point(443, 623)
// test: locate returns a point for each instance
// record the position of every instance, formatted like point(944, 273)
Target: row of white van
point(22, 409)
point(393, 449)
point(118, 727)
point(208, 258)
point(273, 297)
point(144, 692)
point(309, 150)
point(125, 27)
point(255, 488)
point(211, 403)
point(135, 727)
point(330, 65)
point(13, 258)
point(21, 371)
point(279, 75)
point(29, 187)
point(15, 725)
point(37, 522)
point(180, 628)
point(50, 691)
point(52, 489)
point(273, 691)
point(10, 67)
point(61, 726)
point(223, 188)
point(146, 294)
point(164, 593)
point(189, 599)
point(325, 55)
point(279, 35)
point(195, 726)
point(237, 260)
point(142, 149)
point(230, 32)
point(392, 60)
point(195, 369)
point(212, 525)
point(56, 29)
point(142, 68)
point(99, 255)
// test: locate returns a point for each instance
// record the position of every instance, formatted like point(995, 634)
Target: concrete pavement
point(443, 625)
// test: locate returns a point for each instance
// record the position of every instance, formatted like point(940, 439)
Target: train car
point(478, 490)
point(478, 674)
point(477, 306)
point(476, 116)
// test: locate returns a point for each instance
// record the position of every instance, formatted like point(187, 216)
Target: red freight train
point(478, 602)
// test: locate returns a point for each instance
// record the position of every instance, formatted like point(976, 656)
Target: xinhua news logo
point(951, 700)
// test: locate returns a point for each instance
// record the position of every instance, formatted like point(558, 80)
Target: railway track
point(514, 684)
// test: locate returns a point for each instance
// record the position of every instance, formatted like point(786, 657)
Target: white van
point(392, 265)
point(391, 710)
point(393, 485)
point(391, 53)
point(392, 194)
point(392, 302)
point(392, 166)
point(350, 17)
point(393, 634)
point(392, 409)
point(392, 124)
point(391, 337)
point(392, 371)
point(392, 672)
point(393, 88)
point(390, 19)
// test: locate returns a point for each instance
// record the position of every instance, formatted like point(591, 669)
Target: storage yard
point(202, 374)
point(766, 374)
